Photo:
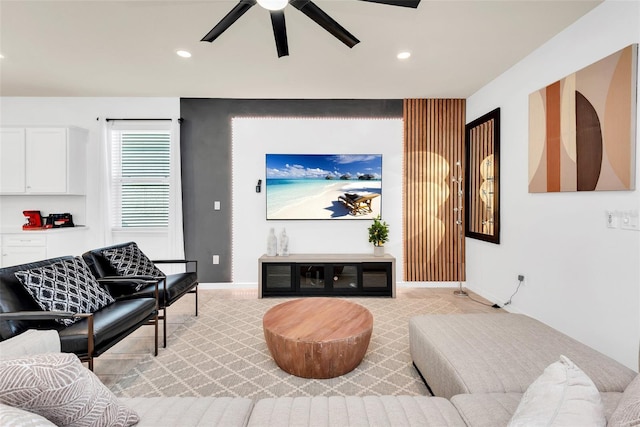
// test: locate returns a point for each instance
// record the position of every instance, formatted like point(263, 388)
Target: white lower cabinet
point(20, 249)
point(30, 246)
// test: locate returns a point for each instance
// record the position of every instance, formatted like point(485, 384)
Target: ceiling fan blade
point(231, 17)
point(404, 3)
point(325, 21)
point(280, 32)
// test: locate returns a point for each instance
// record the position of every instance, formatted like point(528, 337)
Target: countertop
point(19, 230)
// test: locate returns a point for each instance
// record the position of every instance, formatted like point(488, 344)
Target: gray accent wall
point(206, 165)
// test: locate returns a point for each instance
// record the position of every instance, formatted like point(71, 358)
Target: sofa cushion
point(176, 285)
point(496, 409)
point(486, 409)
point(191, 411)
point(627, 412)
point(393, 411)
point(499, 352)
point(65, 285)
point(30, 342)
point(16, 417)
point(110, 324)
point(563, 395)
point(129, 260)
point(57, 387)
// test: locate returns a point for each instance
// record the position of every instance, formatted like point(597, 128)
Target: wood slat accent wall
point(433, 143)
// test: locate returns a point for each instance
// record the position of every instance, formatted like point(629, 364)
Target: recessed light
point(273, 4)
point(1, 56)
point(404, 55)
point(183, 53)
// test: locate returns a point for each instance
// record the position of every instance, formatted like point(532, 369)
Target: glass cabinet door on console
point(311, 277)
point(345, 276)
point(334, 279)
point(327, 275)
point(375, 275)
point(278, 278)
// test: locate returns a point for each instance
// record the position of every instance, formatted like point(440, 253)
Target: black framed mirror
point(482, 178)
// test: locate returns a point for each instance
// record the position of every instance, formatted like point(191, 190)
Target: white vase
point(284, 243)
point(378, 251)
point(272, 243)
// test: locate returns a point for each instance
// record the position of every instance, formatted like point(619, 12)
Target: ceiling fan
point(276, 9)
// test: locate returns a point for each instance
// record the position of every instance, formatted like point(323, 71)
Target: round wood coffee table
point(318, 337)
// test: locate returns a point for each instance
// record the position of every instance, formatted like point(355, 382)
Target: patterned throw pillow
point(131, 261)
point(627, 412)
point(57, 387)
point(66, 285)
point(16, 417)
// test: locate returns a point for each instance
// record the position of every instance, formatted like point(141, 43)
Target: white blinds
point(140, 176)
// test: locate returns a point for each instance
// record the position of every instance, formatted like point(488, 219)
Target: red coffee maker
point(34, 220)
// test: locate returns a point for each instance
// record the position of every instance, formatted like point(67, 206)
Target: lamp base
point(460, 292)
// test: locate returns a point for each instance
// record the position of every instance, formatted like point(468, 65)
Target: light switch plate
point(629, 220)
point(612, 219)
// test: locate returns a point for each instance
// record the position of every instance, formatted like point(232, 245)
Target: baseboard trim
point(233, 285)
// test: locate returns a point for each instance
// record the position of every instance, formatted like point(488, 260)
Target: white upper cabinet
point(12, 161)
point(43, 160)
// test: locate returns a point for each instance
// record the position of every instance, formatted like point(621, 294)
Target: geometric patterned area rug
point(222, 352)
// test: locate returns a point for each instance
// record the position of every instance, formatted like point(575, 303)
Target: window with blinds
point(140, 178)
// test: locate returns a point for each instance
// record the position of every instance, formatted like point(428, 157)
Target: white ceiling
point(127, 48)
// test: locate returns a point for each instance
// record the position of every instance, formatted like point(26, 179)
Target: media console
point(327, 275)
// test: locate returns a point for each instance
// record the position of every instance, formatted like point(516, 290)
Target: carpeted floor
point(222, 352)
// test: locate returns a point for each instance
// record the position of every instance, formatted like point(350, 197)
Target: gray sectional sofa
point(484, 363)
point(479, 367)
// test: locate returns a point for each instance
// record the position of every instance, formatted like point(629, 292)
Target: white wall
point(252, 139)
point(84, 112)
point(580, 277)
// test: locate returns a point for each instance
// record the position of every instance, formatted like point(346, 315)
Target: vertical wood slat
point(434, 142)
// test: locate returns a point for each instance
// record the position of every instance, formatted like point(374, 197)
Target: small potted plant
point(378, 235)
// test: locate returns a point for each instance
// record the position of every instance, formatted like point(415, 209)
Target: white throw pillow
point(57, 387)
point(29, 343)
point(562, 396)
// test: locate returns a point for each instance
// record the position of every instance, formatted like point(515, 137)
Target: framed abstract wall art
point(582, 129)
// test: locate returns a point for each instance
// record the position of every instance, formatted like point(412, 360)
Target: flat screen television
point(323, 186)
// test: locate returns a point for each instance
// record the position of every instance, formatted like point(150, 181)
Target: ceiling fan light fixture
point(273, 4)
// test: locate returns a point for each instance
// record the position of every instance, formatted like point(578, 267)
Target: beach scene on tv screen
point(323, 186)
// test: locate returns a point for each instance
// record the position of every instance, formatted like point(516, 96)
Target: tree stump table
point(318, 337)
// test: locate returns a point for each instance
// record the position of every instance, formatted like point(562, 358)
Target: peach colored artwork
point(582, 128)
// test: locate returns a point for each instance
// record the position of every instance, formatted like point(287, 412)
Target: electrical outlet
point(520, 278)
